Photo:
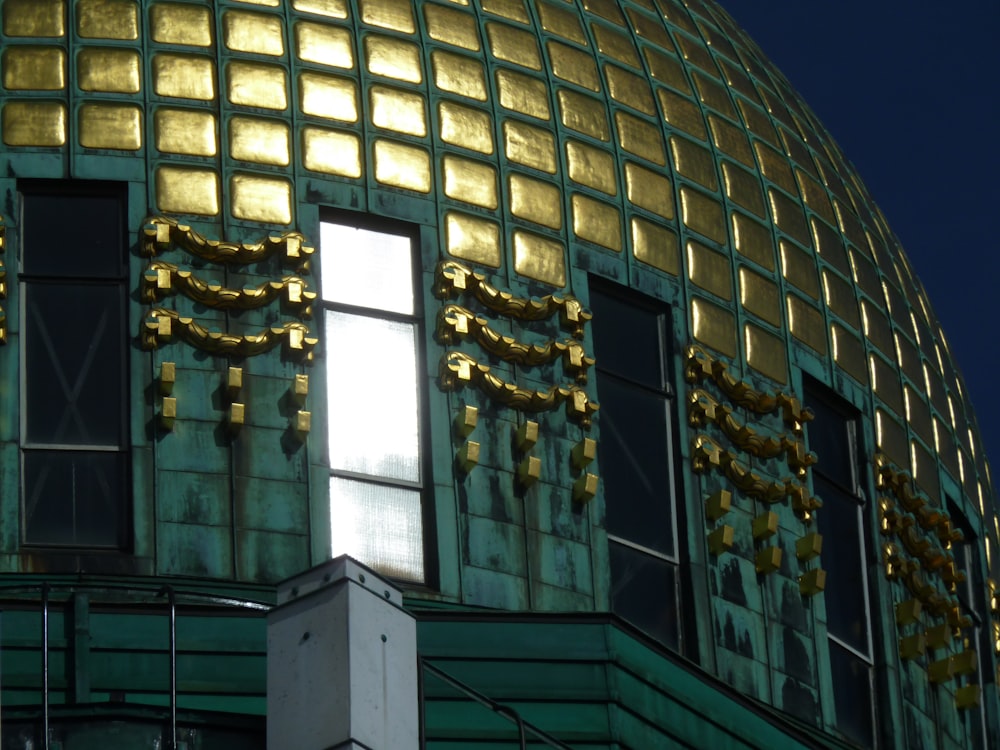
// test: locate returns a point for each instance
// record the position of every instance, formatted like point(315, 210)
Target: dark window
point(74, 412)
point(372, 345)
point(833, 437)
point(636, 455)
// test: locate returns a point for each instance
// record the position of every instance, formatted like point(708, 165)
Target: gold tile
point(713, 94)
point(253, 32)
point(695, 52)
point(799, 269)
point(34, 68)
point(713, 326)
point(184, 76)
point(753, 241)
point(174, 23)
point(703, 215)
point(694, 162)
point(388, 14)
point(806, 323)
point(596, 222)
point(738, 80)
point(606, 9)
point(760, 296)
point(539, 258)
point(649, 190)
point(324, 45)
point(183, 190)
point(466, 127)
point(265, 3)
point(398, 110)
point(470, 181)
point(472, 238)
point(775, 167)
point(329, 8)
point(523, 94)
point(257, 85)
point(925, 471)
point(908, 358)
point(331, 152)
point(451, 26)
point(814, 195)
point(867, 277)
point(112, 69)
point(402, 166)
point(840, 298)
point(918, 414)
point(110, 126)
point(257, 198)
point(730, 140)
point(891, 438)
point(615, 45)
point(710, 270)
point(885, 382)
point(757, 122)
point(573, 65)
point(328, 96)
point(535, 200)
point(393, 58)
point(561, 22)
point(583, 114)
point(34, 18)
point(258, 140)
point(591, 166)
point(666, 69)
point(877, 328)
point(513, 45)
point(743, 188)
point(766, 353)
point(648, 28)
point(512, 9)
point(682, 113)
point(640, 138)
point(655, 245)
point(107, 19)
point(849, 353)
point(789, 216)
point(830, 245)
point(459, 74)
point(533, 147)
point(629, 89)
point(185, 131)
point(33, 123)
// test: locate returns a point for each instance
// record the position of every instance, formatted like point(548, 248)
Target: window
point(372, 351)
point(636, 455)
point(833, 436)
point(74, 406)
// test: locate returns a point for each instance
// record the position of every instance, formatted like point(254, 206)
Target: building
point(568, 318)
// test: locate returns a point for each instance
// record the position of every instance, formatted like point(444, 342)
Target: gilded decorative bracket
point(453, 279)
point(162, 279)
point(707, 455)
point(455, 321)
point(162, 325)
point(458, 369)
point(161, 232)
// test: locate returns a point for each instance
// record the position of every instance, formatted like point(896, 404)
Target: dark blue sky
point(909, 90)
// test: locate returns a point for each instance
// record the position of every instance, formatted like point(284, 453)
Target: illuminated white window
point(372, 363)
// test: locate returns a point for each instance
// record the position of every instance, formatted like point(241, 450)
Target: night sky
point(909, 91)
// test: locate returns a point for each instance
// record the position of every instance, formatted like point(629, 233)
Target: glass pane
point(74, 498)
point(635, 458)
point(378, 525)
point(852, 691)
point(846, 608)
point(644, 592)
point(829, 440)
point(617, 327)
point(365, 268)
point(95, 247)
point(372, 390)
point(74, 343)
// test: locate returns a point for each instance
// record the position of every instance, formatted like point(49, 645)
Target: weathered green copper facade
point(533, 151)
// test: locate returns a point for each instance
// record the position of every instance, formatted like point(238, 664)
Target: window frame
point(28, 278)
point(417, 320)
